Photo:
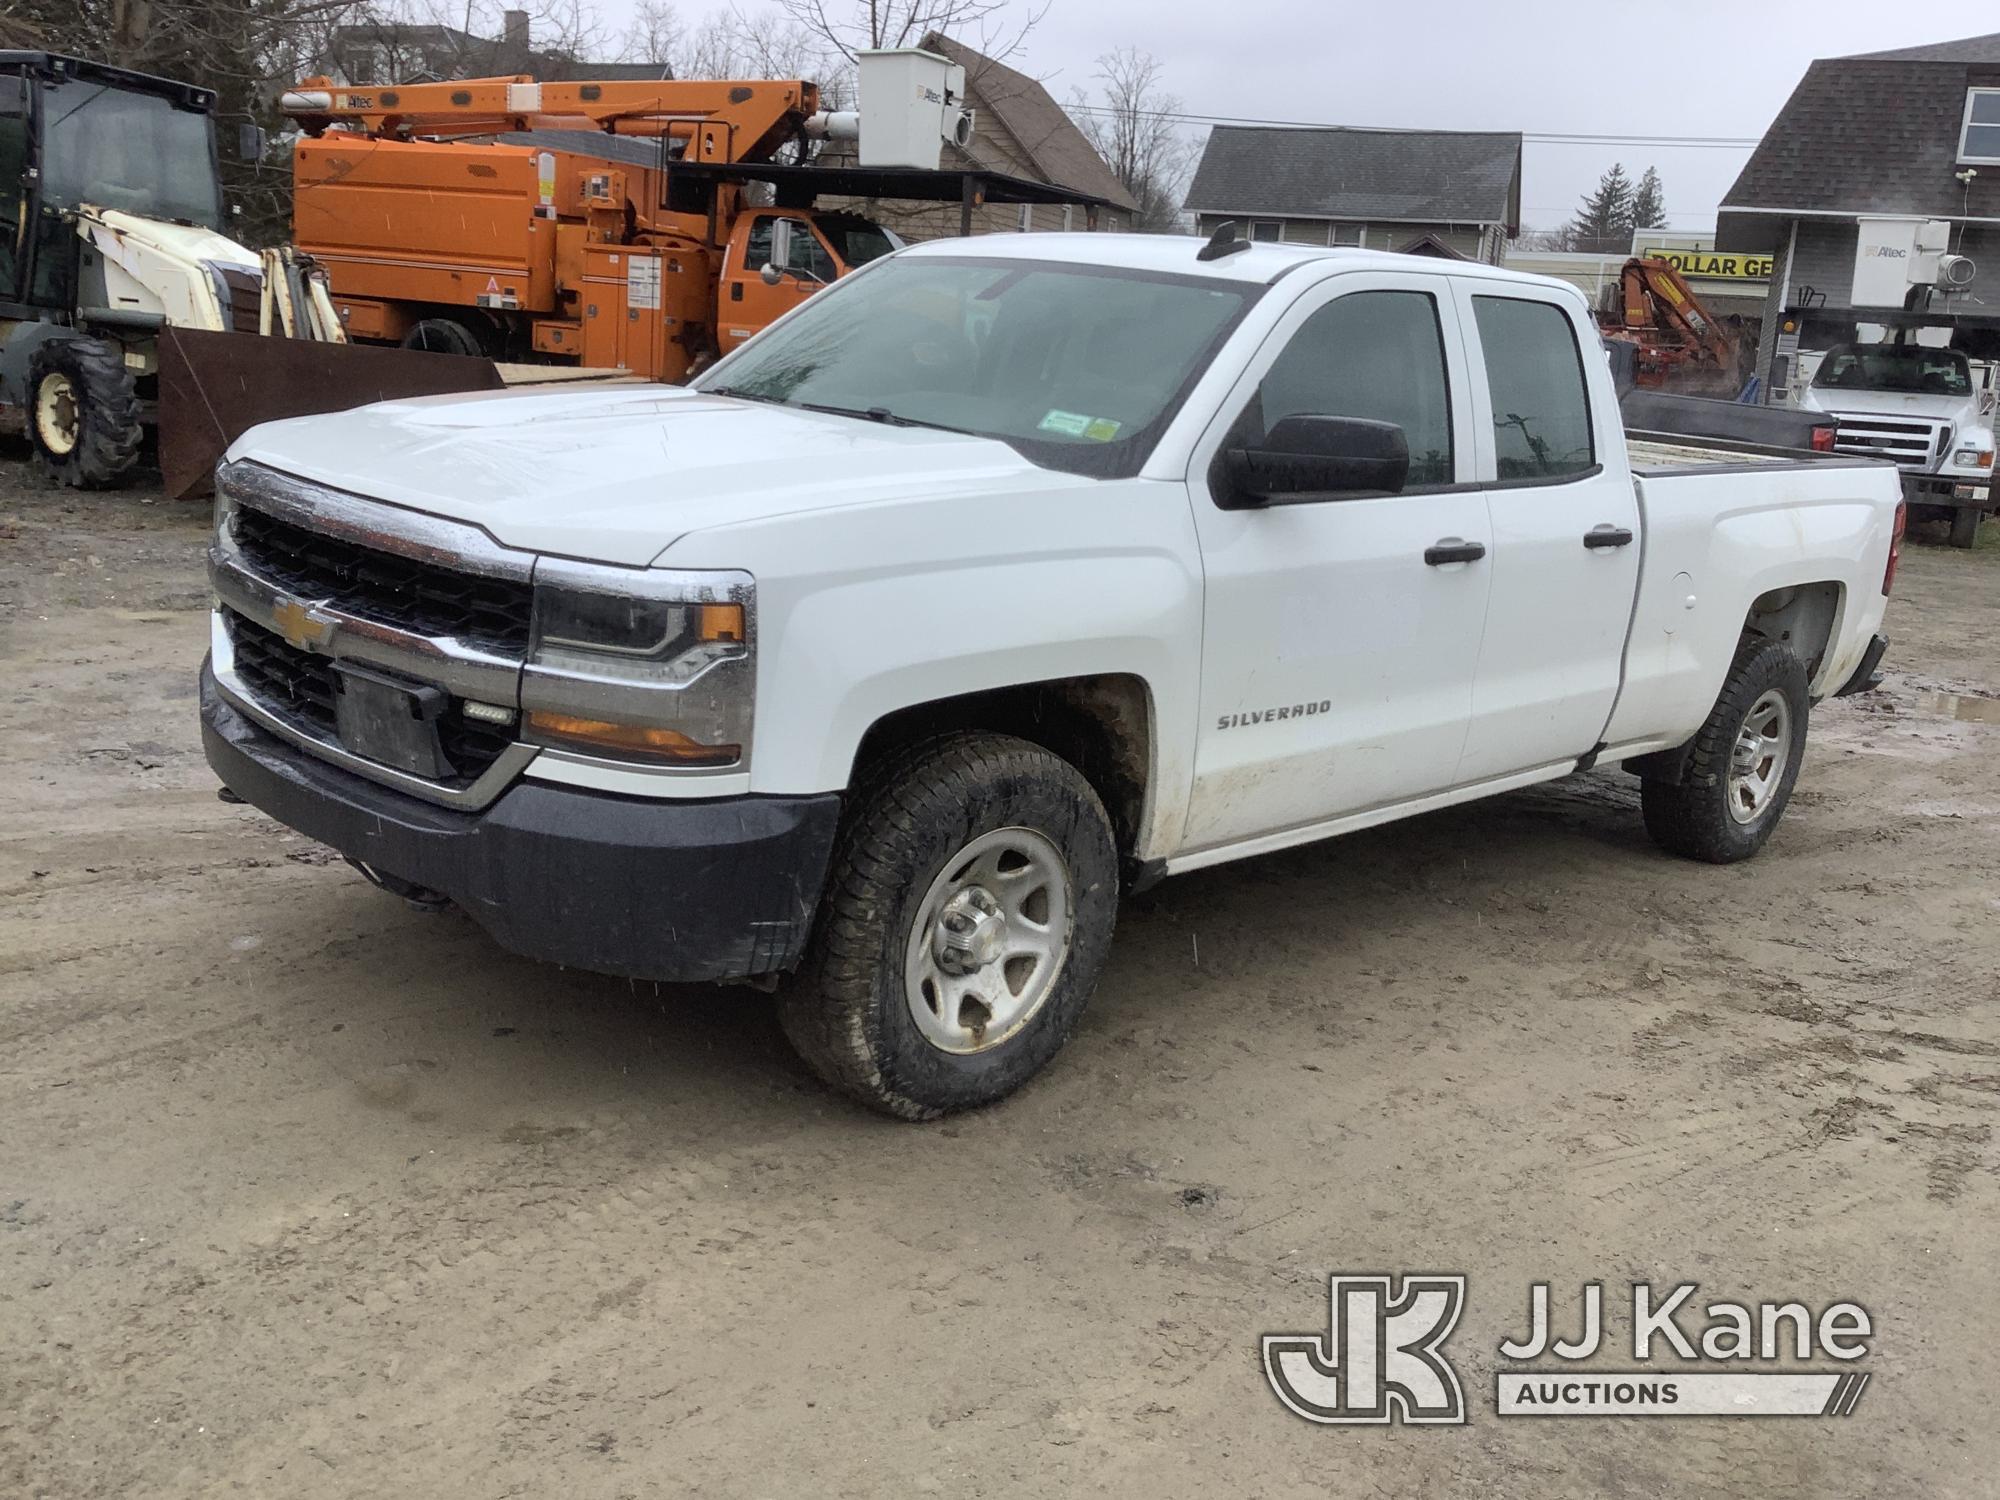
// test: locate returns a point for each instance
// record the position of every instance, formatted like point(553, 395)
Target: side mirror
point(770, 275)
point(251, 142)
point(1313, 458)
point(781, 244)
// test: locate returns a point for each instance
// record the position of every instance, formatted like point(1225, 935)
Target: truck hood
point(1891, 403)
point(618, 473)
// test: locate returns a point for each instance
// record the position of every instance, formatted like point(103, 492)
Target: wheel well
point(1102, 725)
point(1800, 615)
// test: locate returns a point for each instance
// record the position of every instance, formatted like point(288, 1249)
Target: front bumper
point(667, 890)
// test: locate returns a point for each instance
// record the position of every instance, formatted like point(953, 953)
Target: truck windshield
point(135, 152)
point(1075, 367)
point(1906, 369)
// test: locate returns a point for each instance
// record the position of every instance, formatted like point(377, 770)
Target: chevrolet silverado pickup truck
point(996, 581)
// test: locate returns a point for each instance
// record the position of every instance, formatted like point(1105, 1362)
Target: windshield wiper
point(741, 394)
point(879, 414)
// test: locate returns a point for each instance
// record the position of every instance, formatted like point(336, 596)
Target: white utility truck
point(997, 579)
point(1923, 408)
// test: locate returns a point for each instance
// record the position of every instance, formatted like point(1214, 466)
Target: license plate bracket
point(390, 720)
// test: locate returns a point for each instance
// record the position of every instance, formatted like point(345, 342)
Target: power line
point(1539, 137)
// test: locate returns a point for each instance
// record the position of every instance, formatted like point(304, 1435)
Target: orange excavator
point(1679, 342)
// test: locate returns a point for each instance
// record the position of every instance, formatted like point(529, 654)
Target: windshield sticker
point(1074, 424)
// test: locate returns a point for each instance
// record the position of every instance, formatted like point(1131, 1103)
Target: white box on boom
point(912, 103)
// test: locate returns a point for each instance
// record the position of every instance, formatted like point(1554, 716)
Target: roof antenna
point(1222, 243)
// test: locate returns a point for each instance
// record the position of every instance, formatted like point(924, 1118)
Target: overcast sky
point(1712, 68)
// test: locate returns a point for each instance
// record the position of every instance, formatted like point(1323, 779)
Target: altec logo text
point(1382, 1358)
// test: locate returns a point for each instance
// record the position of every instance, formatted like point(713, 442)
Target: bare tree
point(1133, 128)
point(851, 26)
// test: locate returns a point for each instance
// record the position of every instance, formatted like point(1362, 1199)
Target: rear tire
point(969, 912)
point(1744, 762)
point(443, 336)
point(83, 413)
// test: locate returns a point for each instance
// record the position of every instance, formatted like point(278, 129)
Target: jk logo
point(1379, 1359)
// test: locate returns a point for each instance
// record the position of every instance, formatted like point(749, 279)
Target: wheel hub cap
point(989, 941)
point(971, 932)
point(1758, 759)
point(56, 414)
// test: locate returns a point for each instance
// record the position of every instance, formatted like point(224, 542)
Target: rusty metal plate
point(214, 387)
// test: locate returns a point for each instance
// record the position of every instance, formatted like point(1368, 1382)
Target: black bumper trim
point(1868, 676)
point(669, 890)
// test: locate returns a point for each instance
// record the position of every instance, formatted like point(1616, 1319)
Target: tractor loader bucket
point(214, 387)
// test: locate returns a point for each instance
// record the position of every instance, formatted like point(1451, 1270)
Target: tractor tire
point(83, 413)
point(1745, 760)
point(443, 336)
point(968, 914)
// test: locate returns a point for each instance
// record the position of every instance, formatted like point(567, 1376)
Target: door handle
point(1607, 535)
point(1453, 550)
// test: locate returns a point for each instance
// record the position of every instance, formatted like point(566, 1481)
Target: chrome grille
point(400, 591)
point(1912, 442)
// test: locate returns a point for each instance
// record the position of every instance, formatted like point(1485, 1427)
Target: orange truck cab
point(805, 250)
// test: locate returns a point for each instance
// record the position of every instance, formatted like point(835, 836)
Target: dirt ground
point(305, 1193)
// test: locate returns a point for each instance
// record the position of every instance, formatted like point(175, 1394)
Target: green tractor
point(111, 219)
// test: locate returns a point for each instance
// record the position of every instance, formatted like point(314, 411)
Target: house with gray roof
point(1909, 133)
point(1426, 192)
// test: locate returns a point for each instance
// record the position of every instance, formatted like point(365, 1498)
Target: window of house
point(1264, 229)
point(1378, 355)
point(1534, 372)
point(1349, 234)
point(1979, 141)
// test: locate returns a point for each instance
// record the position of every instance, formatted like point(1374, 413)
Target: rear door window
point(1534, 374)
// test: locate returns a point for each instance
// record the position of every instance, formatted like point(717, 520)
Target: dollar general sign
point(1709, 263)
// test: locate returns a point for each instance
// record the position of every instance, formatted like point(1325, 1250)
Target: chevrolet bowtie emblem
point(302, 626)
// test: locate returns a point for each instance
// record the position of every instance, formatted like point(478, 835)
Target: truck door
point(1565, 517)
point(1337, 657)
point(749, 303)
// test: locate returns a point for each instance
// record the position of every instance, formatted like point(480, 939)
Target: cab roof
point(58, 66)
point(1264, 262)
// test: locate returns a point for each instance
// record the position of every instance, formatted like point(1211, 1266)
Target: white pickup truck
point(997, 579)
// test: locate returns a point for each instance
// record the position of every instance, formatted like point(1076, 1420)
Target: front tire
point(1742, 767)
point(969, 912)
point(83, 413)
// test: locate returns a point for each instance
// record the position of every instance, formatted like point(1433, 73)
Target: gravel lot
point(305, 1193)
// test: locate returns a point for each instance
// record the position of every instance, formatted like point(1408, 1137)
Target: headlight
point(1973, 458)
point(641, 664)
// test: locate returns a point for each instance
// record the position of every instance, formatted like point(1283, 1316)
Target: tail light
point(1822, 438)
point(1896, 544)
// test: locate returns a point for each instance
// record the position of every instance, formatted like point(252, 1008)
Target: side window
point(1541, 405)
point(13, 183)
point(808, 254)
point(1378, 355)
point(757, 248)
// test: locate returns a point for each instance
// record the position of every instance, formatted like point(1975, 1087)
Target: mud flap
point(214, 387)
